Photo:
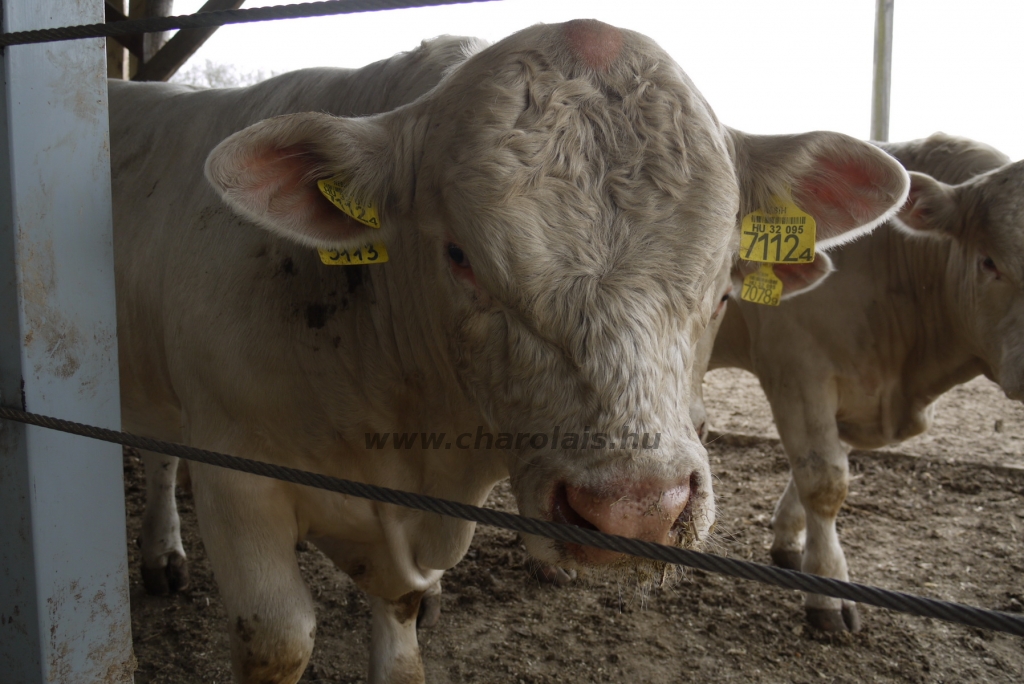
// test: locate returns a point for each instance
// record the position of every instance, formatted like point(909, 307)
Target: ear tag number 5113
point(365, 212)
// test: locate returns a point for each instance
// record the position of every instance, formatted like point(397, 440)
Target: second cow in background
point(922, 304)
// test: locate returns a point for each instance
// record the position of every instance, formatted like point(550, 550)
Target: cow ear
point(931, 207)
point(848, 186)
point(269, 171)
point(796, 278)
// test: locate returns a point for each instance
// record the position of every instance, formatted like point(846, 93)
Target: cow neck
point(936, 285)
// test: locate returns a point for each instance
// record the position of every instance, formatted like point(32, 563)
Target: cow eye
point(457, 255)
point(989, 265)
point(460, 262)
point(721, 303)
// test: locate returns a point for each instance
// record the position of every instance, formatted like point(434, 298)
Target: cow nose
point(650, 510)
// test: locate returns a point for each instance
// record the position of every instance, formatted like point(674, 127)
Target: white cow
point(555, 207)
point(922, 304)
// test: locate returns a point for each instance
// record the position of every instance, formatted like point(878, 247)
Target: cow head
point(558, 211)
point(984, 217)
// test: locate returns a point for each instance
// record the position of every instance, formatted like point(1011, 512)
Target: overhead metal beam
point(64, 608)
point(882, 80)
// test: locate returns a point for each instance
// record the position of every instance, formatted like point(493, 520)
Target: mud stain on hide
point(355, 276)
point(258, 663)
point(317, 314)
point(244, 632)
point(407, 607)
point(831, 482)
point(211, 216)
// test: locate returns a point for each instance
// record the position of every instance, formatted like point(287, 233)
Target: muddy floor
point(974, 422)
point(941, 516)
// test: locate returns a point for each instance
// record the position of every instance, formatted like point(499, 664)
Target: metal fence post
point(64, 609)
point(882, 79)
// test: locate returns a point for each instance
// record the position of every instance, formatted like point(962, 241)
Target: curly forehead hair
point(613, 155)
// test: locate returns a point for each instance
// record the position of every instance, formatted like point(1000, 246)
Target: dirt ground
point(974, 422)
point(941, 515)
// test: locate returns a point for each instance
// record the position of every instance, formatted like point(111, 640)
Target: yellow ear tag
point(370, 253)
point(334, 190)
point(781, 233)
point(762, 287)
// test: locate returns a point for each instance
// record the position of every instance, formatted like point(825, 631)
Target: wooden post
point(183, 45)
point(117, 54)
point(64, 609)
point(882, 81)
point(151, 42)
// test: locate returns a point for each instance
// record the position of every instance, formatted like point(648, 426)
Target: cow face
point(984, 216)
point(560, 208)
point(724, 285)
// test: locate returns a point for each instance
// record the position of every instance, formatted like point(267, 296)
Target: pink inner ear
point(279, 179)
point(796, 277)
point(842, 196)
point(914, 214)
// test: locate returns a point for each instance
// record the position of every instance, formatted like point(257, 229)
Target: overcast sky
point(766, 66)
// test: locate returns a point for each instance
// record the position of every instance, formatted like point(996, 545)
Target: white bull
point(556, 208)
point(922, 304)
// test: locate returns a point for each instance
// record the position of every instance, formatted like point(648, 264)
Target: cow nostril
point(683, 529)
point(563, 512)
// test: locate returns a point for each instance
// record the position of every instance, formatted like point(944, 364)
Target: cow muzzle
point(651, 510)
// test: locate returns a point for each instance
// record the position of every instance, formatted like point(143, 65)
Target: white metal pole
point(882, 80)
point(64, 609)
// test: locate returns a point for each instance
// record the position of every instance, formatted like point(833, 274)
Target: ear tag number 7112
point(781, 233)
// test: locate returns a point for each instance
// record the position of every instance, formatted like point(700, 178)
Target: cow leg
point(430, 607)
point(394, 651)
point(789, 527)
point(250, 531)
point(821, 473)
point(164, 568)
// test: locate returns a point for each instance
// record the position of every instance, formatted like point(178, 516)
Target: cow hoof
point(550, 574)
point(835, 620)
point(169, 579)
point(787, 558)
point(430, 611)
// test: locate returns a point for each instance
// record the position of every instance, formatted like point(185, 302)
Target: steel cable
point(787, 579)
point(216, 18)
